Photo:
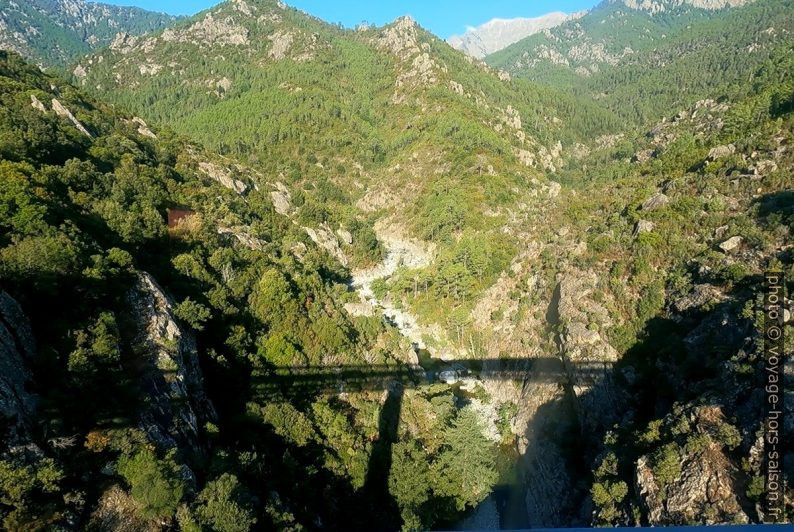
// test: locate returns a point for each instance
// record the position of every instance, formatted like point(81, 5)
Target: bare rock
point(719, 152)
point(643, 226)
point(79, 72)
point(700, 295)
point(17, 348)
point(210, 31)
point(764, 167)
point(282, 200)
point(587, 355)
point(172, 379)
point(143, 129)
point(731, 244)
point(124, 43)
point(643, 156)
point(223, 176)
point(344, 236)
point(656, 201)
point(63, 112)
point(244, 237)
point(36, 104)
point(117, 511)
point(704, 492)
point(281, 43)
point(324, 237)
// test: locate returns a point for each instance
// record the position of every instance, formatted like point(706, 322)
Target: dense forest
point(261, 272)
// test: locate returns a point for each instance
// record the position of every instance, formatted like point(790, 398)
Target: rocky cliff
point(176, 406)
point(17, 348)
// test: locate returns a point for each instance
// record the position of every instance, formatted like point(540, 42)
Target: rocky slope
point(56, 32)
point(660, 6)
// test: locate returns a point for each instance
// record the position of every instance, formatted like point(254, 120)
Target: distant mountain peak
point(659, 6)
point(499, 33)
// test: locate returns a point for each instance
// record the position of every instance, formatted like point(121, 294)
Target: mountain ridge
point(498, 33)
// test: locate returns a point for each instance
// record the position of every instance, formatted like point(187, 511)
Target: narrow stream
point(398, 253)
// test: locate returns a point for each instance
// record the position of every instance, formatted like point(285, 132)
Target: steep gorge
point(406, 282)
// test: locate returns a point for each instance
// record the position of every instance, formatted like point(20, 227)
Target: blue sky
point(442, 17)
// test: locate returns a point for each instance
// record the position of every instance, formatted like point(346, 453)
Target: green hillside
point(640, 65)
point(259, 272)
point(84, 223)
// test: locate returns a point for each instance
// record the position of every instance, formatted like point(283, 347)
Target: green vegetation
point(154, 484)
point(82, 216)
point(626, 185)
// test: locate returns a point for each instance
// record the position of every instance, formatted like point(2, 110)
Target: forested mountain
point(642, 62)
point(353, 279)
point(57, 32)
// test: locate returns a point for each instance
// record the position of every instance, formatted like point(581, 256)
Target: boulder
point(764, 167)
point(731, 244)
point(344, 236)
point(643, 156)
point(718, 152)
point(656, 201)
point(643, 226)
point(700, 295)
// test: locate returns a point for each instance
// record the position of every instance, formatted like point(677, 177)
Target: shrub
point(154, 483)
point(221, 508)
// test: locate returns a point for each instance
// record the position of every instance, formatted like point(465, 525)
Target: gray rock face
point(499, 33)
point(643, 226)
point(63, 112)
point(17, 347)
point(223, 176)
point(719, 152)
point(588, 356)
point(660, 6)
point(699, 296)
point(177, 405)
